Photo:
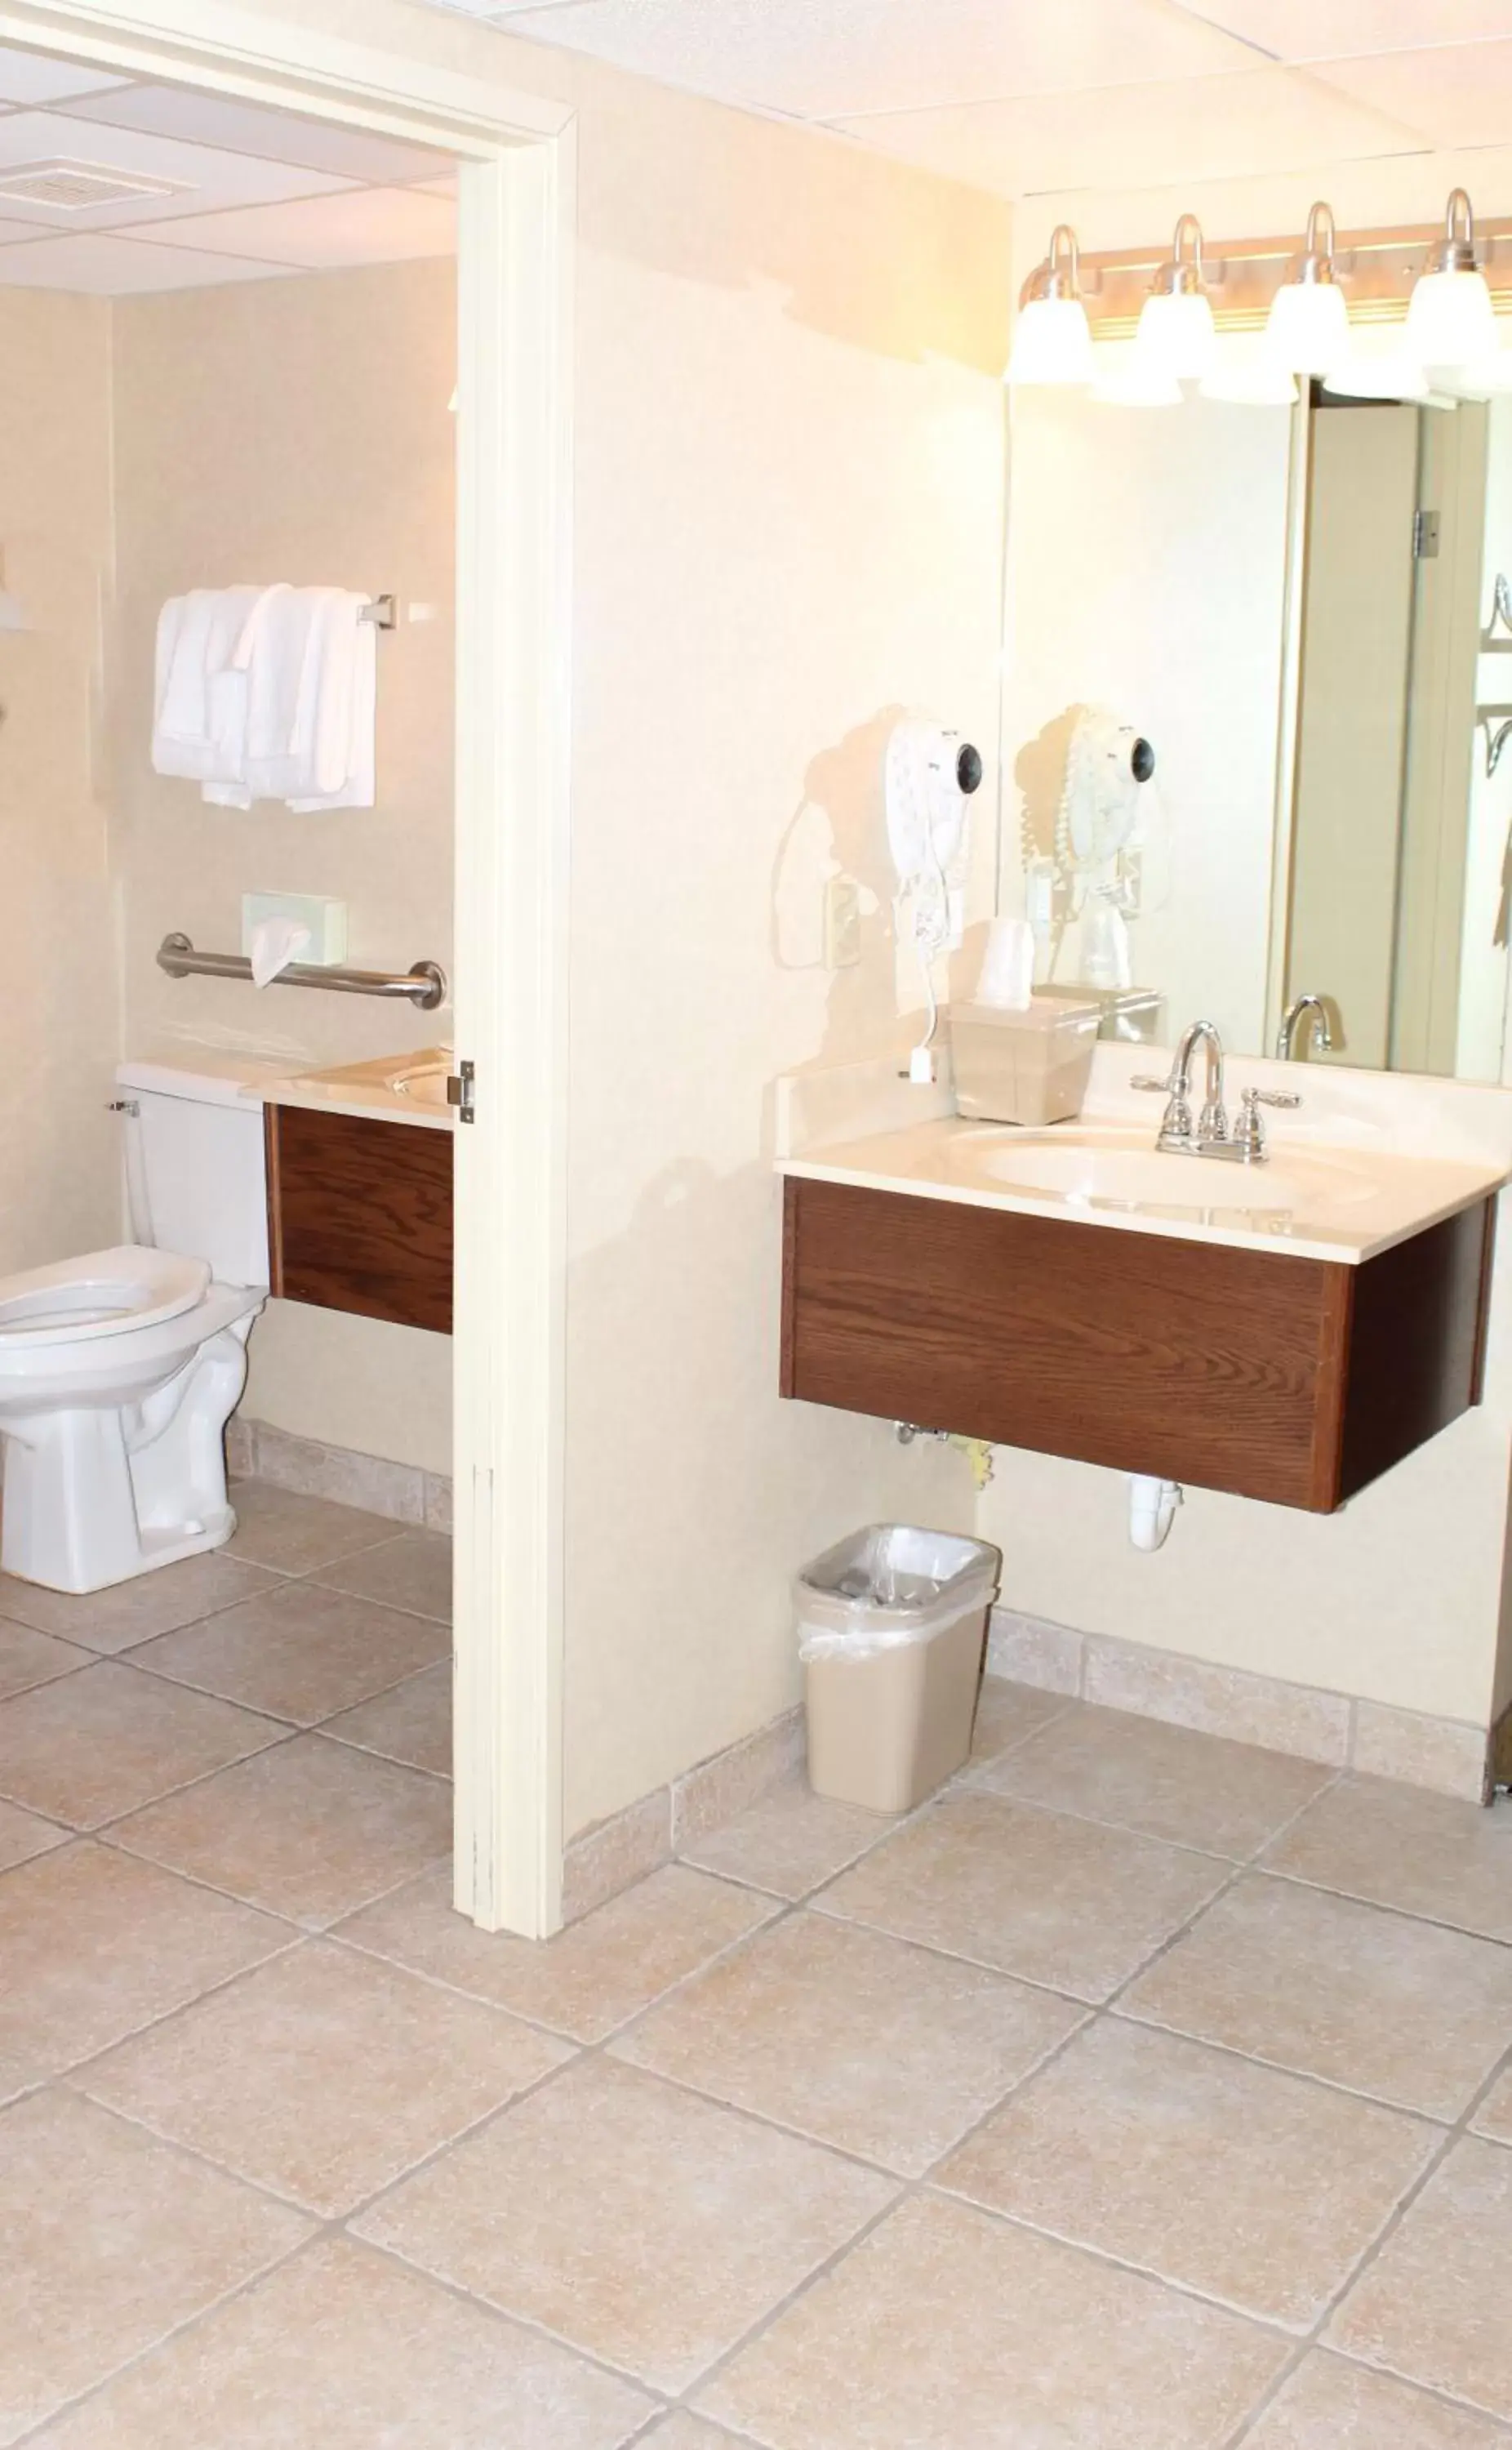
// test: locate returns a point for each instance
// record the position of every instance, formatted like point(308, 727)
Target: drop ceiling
point(1039, 97)
point(167, 188)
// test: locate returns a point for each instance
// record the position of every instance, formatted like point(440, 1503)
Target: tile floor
point(1145, 2092)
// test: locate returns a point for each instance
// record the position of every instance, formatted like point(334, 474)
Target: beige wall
point(58, 1182)
point(295, 429)
point(788, 512)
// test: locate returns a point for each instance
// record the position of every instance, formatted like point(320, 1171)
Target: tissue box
point(324, 918)
point(1023, 1067)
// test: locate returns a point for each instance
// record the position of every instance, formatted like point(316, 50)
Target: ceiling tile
point(1462, 95)
point(364, 225)
point(1212, 127)
point(30, 77)
point(110, 267)
point(1325, 30)
point(273, 135)
point(849, 56)
point(209, 179)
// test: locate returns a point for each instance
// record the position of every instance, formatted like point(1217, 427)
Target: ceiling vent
point(73, 186)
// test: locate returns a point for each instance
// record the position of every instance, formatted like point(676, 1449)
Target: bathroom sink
point(400, 1088)
point(1102, 1171)
point(425, 1082)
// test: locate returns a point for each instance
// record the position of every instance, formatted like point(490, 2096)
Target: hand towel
point(344, 717)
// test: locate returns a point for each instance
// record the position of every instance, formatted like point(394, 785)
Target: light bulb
point(1308, 328)
point(1052, 339)
point(1052, 343)
point(1450, 318)
point(1177, 336)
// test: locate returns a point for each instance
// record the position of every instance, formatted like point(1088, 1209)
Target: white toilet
point(119, 1370)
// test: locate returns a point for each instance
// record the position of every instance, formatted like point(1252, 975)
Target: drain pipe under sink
point(1151, 1509)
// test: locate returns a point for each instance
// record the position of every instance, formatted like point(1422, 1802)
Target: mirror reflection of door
point(1380, 919)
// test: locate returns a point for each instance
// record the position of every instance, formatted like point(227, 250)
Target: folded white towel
point(269, 694)
point(200, 724)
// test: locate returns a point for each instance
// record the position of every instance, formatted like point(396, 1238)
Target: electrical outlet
point(841, 923)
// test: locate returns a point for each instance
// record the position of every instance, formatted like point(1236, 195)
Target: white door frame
point(513, 675)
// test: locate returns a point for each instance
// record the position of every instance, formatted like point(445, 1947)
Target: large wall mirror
point(1299, 610)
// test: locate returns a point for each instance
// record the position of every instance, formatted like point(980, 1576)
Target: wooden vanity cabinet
point(359, 1215)
point(1269, 1375)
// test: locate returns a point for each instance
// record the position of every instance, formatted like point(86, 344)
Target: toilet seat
point(102, 1293)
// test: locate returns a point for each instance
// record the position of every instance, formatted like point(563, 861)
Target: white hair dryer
point(930, 775)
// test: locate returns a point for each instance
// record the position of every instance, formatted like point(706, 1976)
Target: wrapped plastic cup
point(1007, 980)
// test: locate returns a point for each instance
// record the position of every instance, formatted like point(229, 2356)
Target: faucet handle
point(1250, 1133)
point(1147, 1080)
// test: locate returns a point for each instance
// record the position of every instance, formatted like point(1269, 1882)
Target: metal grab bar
point(425, 984)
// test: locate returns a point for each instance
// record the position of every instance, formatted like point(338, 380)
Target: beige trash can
point(892, 1626)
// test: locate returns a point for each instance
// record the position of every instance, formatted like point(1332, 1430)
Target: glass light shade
point(1451, 319)
point(1378, 367)
point(1052, 343)
point(1246, 372)
point(1177, 336)
point(1120, 381)
point(1308, 328)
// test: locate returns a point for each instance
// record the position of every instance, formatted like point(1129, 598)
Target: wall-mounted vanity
point(1285, 1331)
point(360, 1189)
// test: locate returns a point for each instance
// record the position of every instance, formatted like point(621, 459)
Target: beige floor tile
point(1060, 1901)
point(857, 2040)
point(1405, 2010)
point(93, 1946)
point(322, 2075)
point(633, 2220)
point(297, 1652)
point(341, 2350)
point(1401, 1846)
point(27, 1658)
point(1432, 2306)
point(111, 2238)
point(683, 2432)
point(1330, 2405)
point(1008, 1714)
point(1255, 2188)
point(94, 1745)
point(312, 1830)
point(1494, 2117)
point(295, 1534)
point(1171, 1782)
point(412, 1724)
point(591, 1977)
point(948, 2331)
point(790, 1842)
point(23, 1835)
point(414, 1571)
point(131, 1612)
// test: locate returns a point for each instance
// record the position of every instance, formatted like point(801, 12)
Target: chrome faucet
point(1305, 1013)
point(1210, 1136)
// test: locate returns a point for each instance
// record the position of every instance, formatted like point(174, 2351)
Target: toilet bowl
point(120, 1368)
point(118, 1372)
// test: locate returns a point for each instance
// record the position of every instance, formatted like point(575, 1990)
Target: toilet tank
point(196, 1182)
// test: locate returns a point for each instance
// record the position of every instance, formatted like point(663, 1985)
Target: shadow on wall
point(840, 828)
point(680, 1582)
point(1039, 771)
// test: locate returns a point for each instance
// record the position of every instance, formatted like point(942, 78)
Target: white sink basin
point(1118, 1171)
point(424, 1082)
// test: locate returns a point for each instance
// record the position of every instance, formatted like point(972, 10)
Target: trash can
point(891, 1628)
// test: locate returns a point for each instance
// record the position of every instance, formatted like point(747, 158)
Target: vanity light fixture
point(1051, 339)
point(1177, 338)
point(1308, 328)
point(1451, 320)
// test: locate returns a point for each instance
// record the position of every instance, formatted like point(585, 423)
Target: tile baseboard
point(401, 1492)
point(1448, 1755)
point(617, 1852)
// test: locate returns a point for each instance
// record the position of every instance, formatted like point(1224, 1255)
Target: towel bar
point(424, 985)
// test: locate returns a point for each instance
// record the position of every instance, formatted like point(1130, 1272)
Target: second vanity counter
point(1287, 1330)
